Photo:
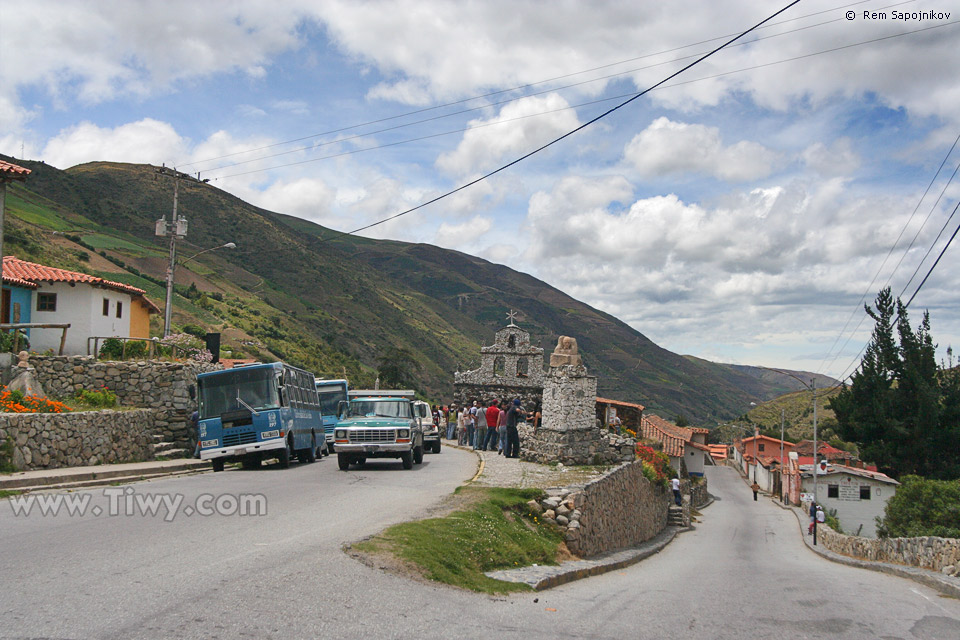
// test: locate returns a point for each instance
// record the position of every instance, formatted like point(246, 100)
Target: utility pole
point(176, 228)
point(816, 463)
point(782, 414)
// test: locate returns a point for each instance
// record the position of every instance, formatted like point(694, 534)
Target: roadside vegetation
point(922, 507)
point(493, 529)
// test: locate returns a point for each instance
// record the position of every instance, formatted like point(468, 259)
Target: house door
point(5, 311)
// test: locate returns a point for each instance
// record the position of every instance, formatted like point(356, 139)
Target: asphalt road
point(742, 573)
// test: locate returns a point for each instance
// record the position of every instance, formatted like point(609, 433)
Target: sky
point(741, 212)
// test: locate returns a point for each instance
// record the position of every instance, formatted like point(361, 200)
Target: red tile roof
point(18, 282)
point(656, 428)
point(618, 403)
point(10, 171)
point(37, 273)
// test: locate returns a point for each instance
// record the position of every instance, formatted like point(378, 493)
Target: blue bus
point(257, 412)
point(331, 393)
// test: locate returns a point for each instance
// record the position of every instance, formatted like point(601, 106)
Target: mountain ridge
point(342, 300)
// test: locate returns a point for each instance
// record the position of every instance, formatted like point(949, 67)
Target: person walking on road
point(755, 487)
point(502, 431)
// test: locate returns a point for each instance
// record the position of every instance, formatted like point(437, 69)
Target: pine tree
point(901, 409)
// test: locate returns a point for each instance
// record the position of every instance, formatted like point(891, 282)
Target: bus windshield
point(330, 397)
point(255, 387)
point(380, 409)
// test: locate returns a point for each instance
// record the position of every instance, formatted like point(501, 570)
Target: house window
point(106, 306)
point(760, 446)
point(864, 492)
point(833, 491)
point(119, 309)
point(46, 302)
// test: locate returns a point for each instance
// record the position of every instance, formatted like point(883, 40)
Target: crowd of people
point(487, 428)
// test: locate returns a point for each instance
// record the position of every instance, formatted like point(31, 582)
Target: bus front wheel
point(217, 464)
point(284, 457)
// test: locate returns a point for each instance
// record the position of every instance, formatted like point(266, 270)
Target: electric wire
point(893, 247)
point(540, 82)
point(566, 135)
point(658, 86)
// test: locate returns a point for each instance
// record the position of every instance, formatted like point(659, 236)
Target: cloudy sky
point(740, 212)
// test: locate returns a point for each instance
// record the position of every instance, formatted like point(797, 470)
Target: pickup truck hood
point(374, 423)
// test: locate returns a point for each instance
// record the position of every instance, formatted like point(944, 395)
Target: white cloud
point(465, 236)
point(667, 147)
point(146, 141)
point(837, 159)
point(509, 134)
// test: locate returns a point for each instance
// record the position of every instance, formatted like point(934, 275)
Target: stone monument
point(509, 368)
point(568, 431)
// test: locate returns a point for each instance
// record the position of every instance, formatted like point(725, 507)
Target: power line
point(489, 104)
point(582, 104)
point(869, 288)
point(569, 133)
point(540, 82)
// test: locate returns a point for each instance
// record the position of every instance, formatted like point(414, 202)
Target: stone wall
point(153, 384)
point(620, 509)
point(934, 554)
point(52, 440)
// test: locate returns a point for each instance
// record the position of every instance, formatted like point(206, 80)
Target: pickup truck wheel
point(407, 459)
point(436, 447)
point(343, 461)
point(217, 464)
point(418, 455)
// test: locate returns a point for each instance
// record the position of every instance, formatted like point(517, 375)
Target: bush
point(922, 507)
point(102, 397)
point(658, 461)
point(112, 349)
point(194, 330)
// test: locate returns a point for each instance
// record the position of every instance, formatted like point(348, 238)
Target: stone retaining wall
point(934, 554)
point(599, 446)
point(52, 440)
point(620, 509)
point(153, 384)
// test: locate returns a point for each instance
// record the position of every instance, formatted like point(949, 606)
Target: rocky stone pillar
point(568, 431)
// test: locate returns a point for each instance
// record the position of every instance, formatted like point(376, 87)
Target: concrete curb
point(89, 476)
point(549, 576)
point(946, 585)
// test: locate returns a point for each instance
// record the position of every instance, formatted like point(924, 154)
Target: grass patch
point(492, 530)
point(6, 493)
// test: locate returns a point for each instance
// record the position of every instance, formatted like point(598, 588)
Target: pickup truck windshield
point(380, 409)
point(256, 387)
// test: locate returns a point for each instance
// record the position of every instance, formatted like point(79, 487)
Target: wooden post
point(63, 340)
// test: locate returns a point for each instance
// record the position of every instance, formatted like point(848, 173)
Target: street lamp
point(168, 309)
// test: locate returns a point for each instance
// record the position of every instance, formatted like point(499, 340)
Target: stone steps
point(675, 516)
point(171, 453)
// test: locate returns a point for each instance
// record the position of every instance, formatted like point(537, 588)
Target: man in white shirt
point(675, 484)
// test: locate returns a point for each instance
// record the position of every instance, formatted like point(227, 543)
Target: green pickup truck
point(378, 424)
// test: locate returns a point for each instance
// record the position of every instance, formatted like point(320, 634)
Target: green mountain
point(335, 304)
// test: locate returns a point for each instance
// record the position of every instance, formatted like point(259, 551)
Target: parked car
point(431, 430)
